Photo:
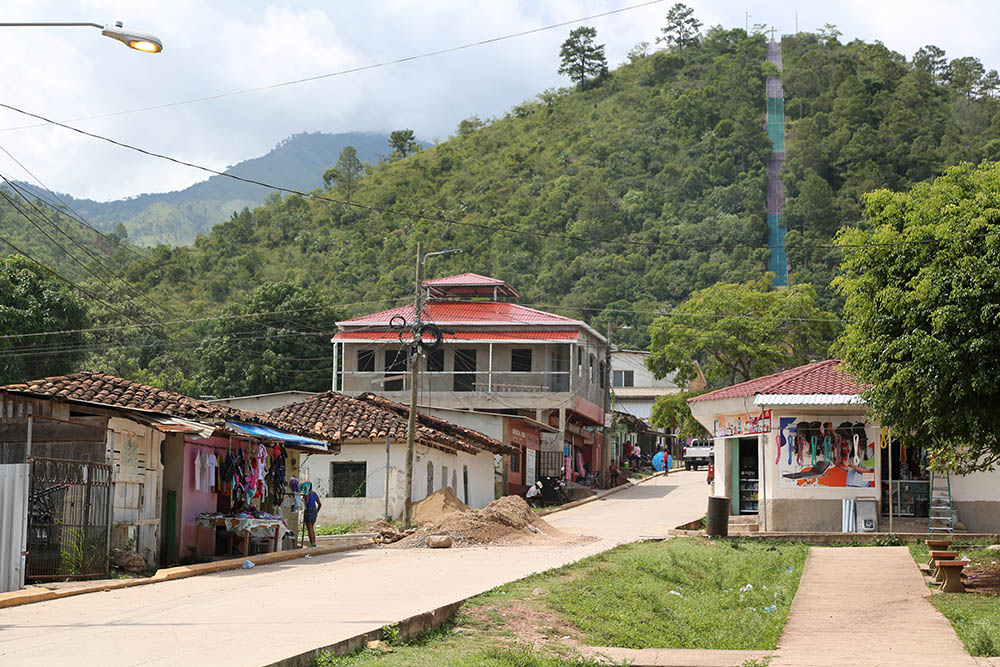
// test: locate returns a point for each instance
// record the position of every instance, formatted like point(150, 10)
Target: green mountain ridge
point(177, 217)
point(610, 204)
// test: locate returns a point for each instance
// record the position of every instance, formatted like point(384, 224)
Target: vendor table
point(245, 526)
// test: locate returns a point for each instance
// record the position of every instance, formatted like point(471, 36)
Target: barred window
point(347, 480)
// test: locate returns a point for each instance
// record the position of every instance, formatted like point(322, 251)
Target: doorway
point(746, 476)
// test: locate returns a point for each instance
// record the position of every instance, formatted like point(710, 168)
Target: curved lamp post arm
point(140, 41)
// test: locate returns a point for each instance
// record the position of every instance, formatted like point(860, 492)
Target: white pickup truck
point(697, 453)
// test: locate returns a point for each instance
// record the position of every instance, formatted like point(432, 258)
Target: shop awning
point(266, 433)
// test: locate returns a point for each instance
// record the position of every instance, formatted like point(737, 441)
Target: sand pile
point(507, 520)
point(436, 507)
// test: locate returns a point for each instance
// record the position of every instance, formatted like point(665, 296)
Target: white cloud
point(212, 48)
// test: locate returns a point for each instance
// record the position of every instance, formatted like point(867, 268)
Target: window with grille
point(366, 361)
point(347, 480)
point(515, 463)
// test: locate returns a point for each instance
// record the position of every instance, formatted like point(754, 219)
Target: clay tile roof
point(108, 390)
point(370, 417)
point(823, 377)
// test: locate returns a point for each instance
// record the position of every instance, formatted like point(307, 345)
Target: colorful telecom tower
point(775, 188)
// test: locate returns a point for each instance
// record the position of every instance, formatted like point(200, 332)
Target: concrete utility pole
point(411, 425)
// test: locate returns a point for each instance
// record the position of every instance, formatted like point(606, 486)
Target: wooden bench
point(952, 575)
point(939, 556)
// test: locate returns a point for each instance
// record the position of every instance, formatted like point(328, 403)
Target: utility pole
point(411, 425)
point(606, 458)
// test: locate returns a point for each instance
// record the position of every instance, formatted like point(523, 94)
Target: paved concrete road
point(258, 616)
point(866, 606)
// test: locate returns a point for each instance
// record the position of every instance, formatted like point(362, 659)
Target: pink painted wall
point(195, 502)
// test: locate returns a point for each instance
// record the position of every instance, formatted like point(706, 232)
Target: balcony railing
point(507, 382)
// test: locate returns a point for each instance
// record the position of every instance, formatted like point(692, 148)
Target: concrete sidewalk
point(866, 606)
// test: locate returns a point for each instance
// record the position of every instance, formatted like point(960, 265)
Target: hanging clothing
point(211, 467)
point(197, 471)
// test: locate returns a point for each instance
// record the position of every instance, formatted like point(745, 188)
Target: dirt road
point(258, 616)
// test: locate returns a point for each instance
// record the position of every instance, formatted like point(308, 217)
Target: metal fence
point(551, 464)
point(69, 517)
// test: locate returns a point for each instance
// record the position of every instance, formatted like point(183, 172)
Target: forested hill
point(177, 217)
point(661, 165)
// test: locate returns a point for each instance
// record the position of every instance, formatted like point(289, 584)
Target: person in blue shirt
point(313, 505)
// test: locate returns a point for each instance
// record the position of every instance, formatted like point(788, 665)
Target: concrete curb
point(823, 539)
point(32, 595)
point(408, 628)
point(598, 495)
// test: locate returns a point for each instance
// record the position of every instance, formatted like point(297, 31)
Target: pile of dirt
point(507, 520)
point(437, 506)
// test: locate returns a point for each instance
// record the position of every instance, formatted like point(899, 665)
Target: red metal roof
point(823, 377)
point(465, 335)
point(469, 284)
point(465, 312)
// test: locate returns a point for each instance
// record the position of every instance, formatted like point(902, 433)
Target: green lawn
point(680, 593)
point(339, 528)
point(975, 616)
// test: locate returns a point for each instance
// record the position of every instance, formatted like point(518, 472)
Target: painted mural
point(743, 424)
point(825, 453)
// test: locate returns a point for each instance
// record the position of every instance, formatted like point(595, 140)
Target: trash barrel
point(717, 521)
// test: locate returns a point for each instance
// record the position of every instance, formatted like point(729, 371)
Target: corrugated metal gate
point(13, 520)
point(69, 517)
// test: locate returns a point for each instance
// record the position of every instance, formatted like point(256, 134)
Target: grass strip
point(976, 619)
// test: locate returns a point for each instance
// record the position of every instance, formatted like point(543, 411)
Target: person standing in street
point(313, 505)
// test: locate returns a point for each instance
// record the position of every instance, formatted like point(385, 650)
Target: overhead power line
point(461, 223)
point(352, 70)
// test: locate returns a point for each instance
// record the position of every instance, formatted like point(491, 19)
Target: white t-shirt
point(210, 465)
point(197, 471)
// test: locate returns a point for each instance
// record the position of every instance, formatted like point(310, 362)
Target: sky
point(211, 48)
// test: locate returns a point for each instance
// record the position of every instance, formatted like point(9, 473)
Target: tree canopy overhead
point(921, 282)
point(735, 332)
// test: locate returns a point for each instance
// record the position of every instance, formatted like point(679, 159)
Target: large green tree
point(682, 29)
point(276, 338)
point(581, 57)
point(671, 411)
point(735, 332)
point(922, 300)
point(403, 143)
point(33, 301)
point(346, 172)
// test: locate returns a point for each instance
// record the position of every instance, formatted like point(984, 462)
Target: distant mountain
point(176, 217)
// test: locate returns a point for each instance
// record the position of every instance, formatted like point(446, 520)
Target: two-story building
point(496, 356)
point(635, 390)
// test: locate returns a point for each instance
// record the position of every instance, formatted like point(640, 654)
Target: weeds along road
point(258, 616)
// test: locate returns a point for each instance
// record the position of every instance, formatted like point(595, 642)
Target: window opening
point(366, 361)
point(465, 369)
point(520, 360)
point(348, 480)
point(395, 364)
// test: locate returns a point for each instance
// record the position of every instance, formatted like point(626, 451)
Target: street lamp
point(140, 41)
point(411, 426)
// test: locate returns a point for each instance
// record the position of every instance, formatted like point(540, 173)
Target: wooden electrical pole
point(411, 426)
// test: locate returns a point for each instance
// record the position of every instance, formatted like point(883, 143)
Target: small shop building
point(791, 447)
point(116, 464)
point(367, 474)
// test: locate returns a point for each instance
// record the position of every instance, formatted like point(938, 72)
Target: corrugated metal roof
point(460, 336)
point(469, 284)
point(643, 409)
point(808, 399)
point(463, 279)
point(464, 313)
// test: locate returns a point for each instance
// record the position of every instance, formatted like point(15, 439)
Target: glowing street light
point(140, 41)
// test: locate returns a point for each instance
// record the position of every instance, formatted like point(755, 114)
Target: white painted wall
point(977, 486)
point(265, 402)
point(635, 361)
point(316, 469)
